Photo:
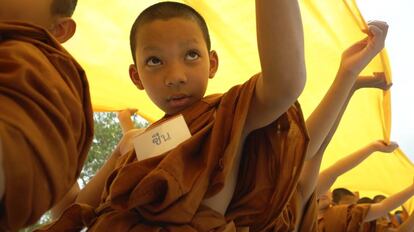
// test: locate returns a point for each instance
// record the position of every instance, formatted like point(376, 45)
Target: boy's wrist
point(346, 78)
point(371, 148)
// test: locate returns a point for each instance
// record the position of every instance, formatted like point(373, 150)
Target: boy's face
point(30, 11)
point(173, 64)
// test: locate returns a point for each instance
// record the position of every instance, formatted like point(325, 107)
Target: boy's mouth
point(178, 100)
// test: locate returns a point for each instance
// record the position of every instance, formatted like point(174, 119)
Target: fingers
point(377, 28)
point(377, 80)
point(383, 146)
point(377, 32)
point(126, 113)
point(393, 145)
point(387, 87)
point(389, 147)
point(380, 81)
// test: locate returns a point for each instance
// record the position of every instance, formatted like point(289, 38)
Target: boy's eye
point(192, 55)
point(153, 61)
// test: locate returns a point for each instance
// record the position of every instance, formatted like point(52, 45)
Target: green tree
point(107, 134)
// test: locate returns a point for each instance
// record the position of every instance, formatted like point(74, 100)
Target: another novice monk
point(46, 116)
point(242, 163)
point(347, 216)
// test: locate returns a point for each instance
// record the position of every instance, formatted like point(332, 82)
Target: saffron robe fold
point(345, 218)
point(165, 193)
point(46, 122)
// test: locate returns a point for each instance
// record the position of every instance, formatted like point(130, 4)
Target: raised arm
point(380, 209)
point(310, 171)
point(91, 193)
point(124, 117)
point(328, 177)
point(354, 60)
point(281, 51)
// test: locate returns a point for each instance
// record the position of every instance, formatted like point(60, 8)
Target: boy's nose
point(175, 76)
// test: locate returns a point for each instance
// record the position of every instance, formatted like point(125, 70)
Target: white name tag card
point(161, 138)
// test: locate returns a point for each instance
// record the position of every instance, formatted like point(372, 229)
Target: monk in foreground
point(46, 125)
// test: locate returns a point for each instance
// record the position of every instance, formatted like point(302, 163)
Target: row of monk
point(245, 160)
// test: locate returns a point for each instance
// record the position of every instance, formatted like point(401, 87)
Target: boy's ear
point(214, 63)
point(63, 29)
point(133, 74)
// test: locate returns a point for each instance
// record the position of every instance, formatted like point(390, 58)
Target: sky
point(399, 14)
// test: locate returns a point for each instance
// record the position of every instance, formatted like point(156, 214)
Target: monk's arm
point(310, 171)
point(309, 176)
point(408, 225)
point(328, 177)
point(354, 60)
point(124, 117)
point(67, 200)
point(378, 210)
point(281, 51)
point(92, 192)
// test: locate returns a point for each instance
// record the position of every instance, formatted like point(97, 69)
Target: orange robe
point(345, 218)
point(46, 122)
point(166, 192)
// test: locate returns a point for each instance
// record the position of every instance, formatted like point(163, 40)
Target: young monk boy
point(345, 215)
point(242, 163)
point(45, 116)
point(352, 217)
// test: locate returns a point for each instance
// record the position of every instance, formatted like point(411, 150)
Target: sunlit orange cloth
point(288, 220)
point(344, 218)
point(166, 192)
point(46, 123)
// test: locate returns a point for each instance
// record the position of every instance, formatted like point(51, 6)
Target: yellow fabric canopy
point(101, 45)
